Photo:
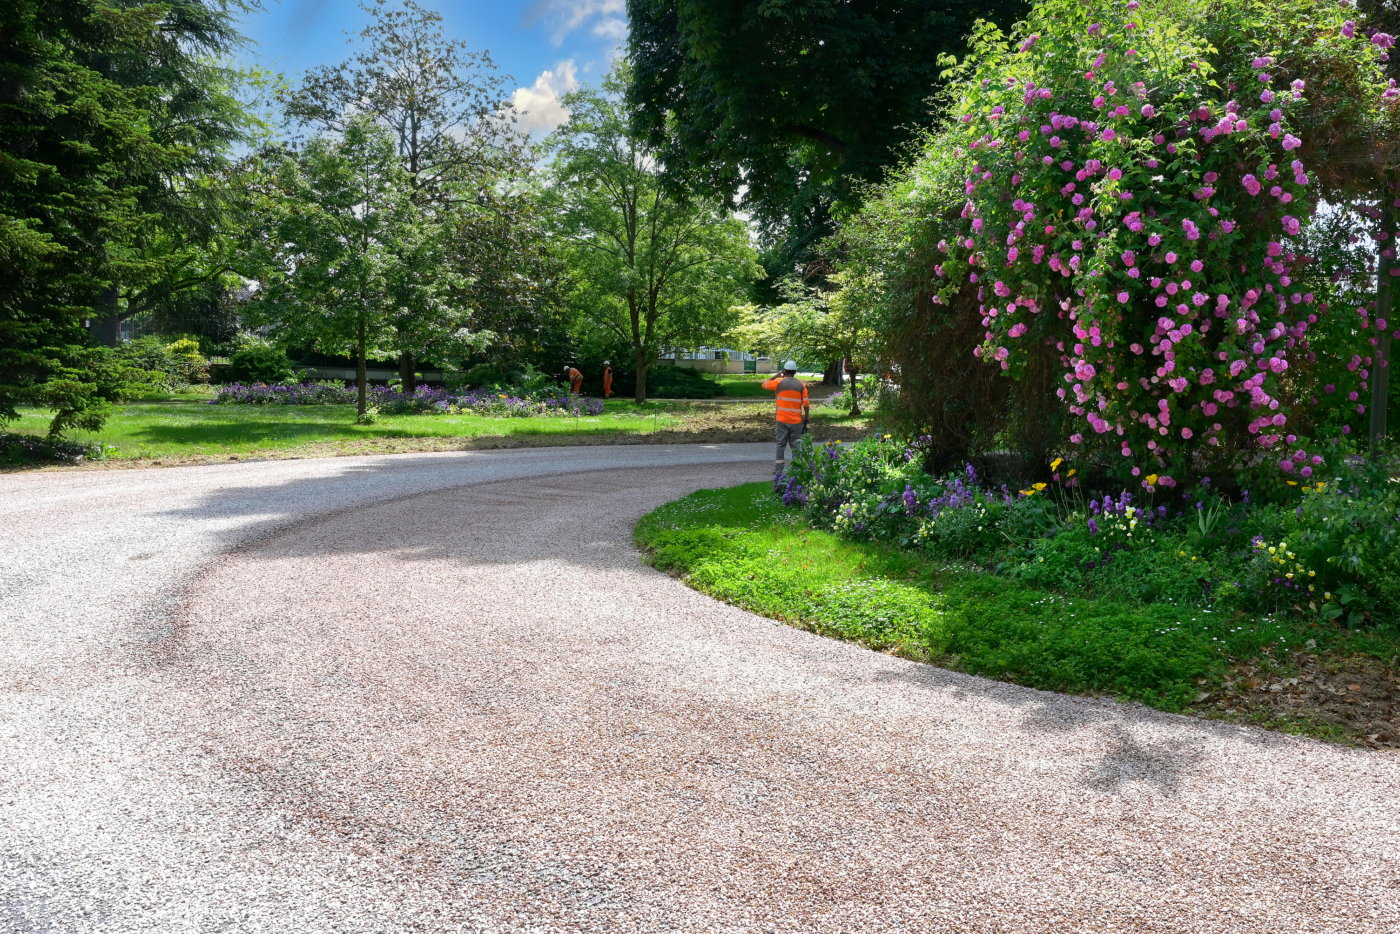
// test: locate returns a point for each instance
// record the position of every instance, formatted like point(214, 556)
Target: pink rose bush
point(1142, 208)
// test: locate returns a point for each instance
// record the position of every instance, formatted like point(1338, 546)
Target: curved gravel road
point(440, 693)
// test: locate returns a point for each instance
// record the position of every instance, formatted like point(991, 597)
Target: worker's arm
point(773, 383)
point(806, 407)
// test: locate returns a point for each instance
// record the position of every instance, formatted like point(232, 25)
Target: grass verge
point(742, 546)
point(185, 431)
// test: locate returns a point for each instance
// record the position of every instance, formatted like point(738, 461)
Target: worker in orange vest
point(575, 379)
point(607, 379)
point(794, 407)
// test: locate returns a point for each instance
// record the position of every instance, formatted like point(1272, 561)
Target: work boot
point(778, 467)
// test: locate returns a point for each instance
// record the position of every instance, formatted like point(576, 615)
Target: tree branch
point(833, 143)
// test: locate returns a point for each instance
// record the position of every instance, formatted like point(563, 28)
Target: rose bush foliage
point(1137, 193)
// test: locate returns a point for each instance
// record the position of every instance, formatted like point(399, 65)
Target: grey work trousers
point(788, 434)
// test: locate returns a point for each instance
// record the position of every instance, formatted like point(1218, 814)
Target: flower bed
point(427, 400)
point(1328, 552)
point(323, 392)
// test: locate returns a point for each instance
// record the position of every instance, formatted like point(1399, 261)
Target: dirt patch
point(1352, 699)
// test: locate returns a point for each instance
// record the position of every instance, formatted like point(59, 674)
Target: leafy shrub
point(483, 375)
point(18, 450)
point(188, 364)
point(260, 361)
point(168, 366)
point(675, 382)
point(1124, 213)
point(1329, 552)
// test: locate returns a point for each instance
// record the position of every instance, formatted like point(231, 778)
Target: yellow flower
point(1151, 479)
point(1320, 485)
point(1271, 549)
point(1327, 596)
point(1181, 553)
point(1072, 472)
point(1292, 482)
point(1055, 464)
point(888, 437)
point(1037, 486)
point(1028, 492)
point(1312, 573)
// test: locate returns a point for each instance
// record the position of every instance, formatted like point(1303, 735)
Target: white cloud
point(538, 105)
point(566, 16)
point(611, 28)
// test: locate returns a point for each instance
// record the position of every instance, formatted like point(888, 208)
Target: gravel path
point(439, 693)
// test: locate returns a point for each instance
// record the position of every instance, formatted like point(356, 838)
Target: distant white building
point(719, 360)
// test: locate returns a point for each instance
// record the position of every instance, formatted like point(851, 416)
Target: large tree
point(447, 111)
point(348, 262)
point(647, 267)
point(792, 101)
point(104, 109)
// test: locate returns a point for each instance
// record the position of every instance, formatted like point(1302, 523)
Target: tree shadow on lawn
point(246, 432)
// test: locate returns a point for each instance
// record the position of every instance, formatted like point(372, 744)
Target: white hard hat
point(790, 365)
point(607, 363)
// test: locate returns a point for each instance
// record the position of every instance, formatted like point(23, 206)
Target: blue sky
point(546, 46)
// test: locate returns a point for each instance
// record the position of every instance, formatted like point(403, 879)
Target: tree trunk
point(831, 376)
point(407, 376)
point(106, 320)
point(1385, 288)
point(361, 377)
point(855, 401)
point(643, 364)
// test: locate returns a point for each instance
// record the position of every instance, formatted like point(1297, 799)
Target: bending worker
point(607, 379)
point(793, 409)
point(575, 379)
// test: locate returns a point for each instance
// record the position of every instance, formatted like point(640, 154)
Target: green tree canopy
point(448, 112)
point(647, 267)
point(104, 109)
point(794, 101)
point(349, 263)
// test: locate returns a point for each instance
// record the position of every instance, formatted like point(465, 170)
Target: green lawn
point(743, 385)
point(742, 546)
point(185, 428)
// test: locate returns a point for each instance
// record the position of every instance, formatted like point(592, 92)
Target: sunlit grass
point(740, 545)
point(159, 429)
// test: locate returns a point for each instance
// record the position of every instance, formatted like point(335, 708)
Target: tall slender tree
point(349, 262)
point(648, 267)
point(447, 111)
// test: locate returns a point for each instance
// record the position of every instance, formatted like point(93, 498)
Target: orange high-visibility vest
point(792, 398)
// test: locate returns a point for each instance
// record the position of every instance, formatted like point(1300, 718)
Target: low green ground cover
point(743, 546)
point(185, 425)
point(182, 428)
point(743, 385)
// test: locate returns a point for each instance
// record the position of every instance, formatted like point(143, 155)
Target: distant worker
point(607, 379)
point(794, 407)
point(575, 379)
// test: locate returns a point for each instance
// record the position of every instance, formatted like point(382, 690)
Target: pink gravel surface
point(441, 693)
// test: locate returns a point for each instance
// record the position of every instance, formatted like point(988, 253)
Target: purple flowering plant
point(495, 402)
point(1138, 200)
